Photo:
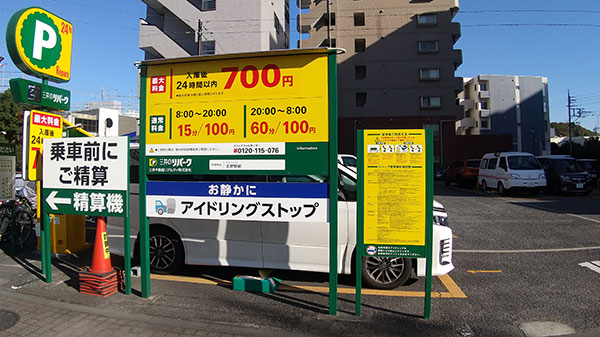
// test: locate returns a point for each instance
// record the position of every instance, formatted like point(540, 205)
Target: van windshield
point(523, 163)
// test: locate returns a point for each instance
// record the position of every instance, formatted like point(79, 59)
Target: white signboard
point(86, 163)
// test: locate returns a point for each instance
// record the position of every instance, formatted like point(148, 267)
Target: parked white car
point(510, 171)
point(276, 245)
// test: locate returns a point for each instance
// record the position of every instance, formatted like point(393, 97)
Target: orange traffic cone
point(101, 279)
point(101, 257)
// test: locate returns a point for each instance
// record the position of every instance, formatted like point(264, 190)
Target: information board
point(7, 171)
point(86, 176)
point(246, 114)
point(301, 202)
point(395, 195)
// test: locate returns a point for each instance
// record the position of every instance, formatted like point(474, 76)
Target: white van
point(510, 171)
point(273, 245)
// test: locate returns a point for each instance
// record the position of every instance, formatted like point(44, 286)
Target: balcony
point(484, 113)
point(455, 31)
point(484, 94)
point(462, 125)
point(154, 41)
point(468, 104)
point(457, 57)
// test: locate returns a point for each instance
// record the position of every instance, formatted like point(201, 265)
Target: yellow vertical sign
point(41, 125)
point(395, 187)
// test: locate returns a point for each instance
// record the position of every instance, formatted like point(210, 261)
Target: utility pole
point(569, 109)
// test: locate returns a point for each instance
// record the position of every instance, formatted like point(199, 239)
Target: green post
point(333, 183)
point(360, 229)
point(127, 234)
point(45, 245)
point(428, 218)
point(144, 226)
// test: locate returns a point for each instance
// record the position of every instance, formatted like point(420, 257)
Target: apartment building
point(515, 105)
point(180, 28)
point(398, 70)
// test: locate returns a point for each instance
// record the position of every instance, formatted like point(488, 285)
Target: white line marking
point(596, 263)
point(591, 266)
point(584, 218)
point(526, 250)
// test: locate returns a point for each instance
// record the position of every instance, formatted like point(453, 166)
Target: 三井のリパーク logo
point(39, 44)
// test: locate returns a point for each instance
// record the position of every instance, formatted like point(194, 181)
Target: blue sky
point(551, 38)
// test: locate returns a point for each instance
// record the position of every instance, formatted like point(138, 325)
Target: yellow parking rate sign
point(41, 125)
point(261, 99)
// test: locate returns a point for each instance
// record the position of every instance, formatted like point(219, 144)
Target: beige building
point(180, 28)
point(399, 64)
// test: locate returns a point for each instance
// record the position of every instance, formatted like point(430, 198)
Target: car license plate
point(579, 185)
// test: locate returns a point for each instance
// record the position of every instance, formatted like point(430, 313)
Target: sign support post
point(428, 218)
point(360, 226)
point(144, 224)
point(333, 185)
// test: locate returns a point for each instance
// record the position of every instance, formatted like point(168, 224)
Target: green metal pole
point(333, 184)
point(127, 234)
point(144, 226)
point(45, 246)
point(360, 220)
point(428, 218)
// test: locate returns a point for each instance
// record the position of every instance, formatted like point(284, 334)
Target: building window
point(428, 46)
point(435, 128)
point(360, 45)
point(427, 20)
point(430, 102)
point(361, 99)
point(207, 48)
point(484, 105)
point(332, 19)
point(485, 123)
point(360, 72)
point(359, 19)
point(483, 86)
point(429, 74)
point(208, 5)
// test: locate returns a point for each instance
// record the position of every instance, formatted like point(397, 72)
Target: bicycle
point(23, 221)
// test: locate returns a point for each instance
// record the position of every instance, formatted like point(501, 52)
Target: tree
point(562, 129)
point(11, 126)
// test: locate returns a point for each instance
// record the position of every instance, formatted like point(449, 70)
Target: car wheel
point(484, 187)
point(386, 272)
point(166, 251)
point(501, 189)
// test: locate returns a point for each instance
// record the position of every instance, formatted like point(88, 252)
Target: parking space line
point(452, 289)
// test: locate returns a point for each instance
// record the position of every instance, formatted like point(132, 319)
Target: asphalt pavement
point(183, 305)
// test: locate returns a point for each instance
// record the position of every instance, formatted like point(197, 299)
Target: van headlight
point(440, 220)
point(564, 177)
point(514, 176)
point(542, 176)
